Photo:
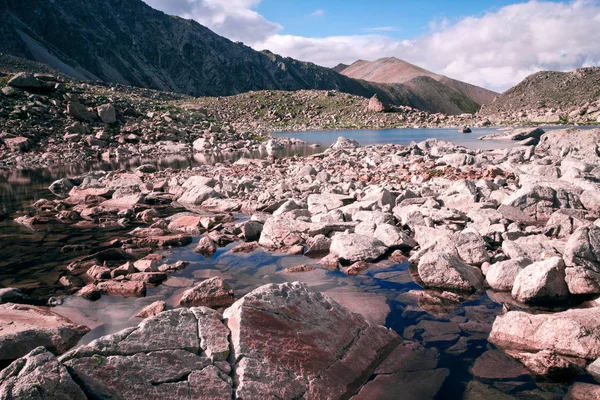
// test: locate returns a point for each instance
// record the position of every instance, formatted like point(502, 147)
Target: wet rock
point(501, 275)
point(38, 376)
point(543, 281)
point(434, 332)
point(480, 391)
point(446, 271)
point(23, 328)
point(582, 257)
point(213, 293)
point(559, 332)
point(299, 269)
point(409, 372)
point(353, 248)
point(89, 292)
point(152, 310)
point(494, 365)
point(206, 247)
point(107, 114)
point(547, 363)
point(122, 288)
point(304, 341)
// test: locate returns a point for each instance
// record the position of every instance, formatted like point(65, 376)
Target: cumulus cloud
point(234, 19)
point(495, 50)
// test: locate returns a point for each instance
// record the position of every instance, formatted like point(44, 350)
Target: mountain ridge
point(128, 42)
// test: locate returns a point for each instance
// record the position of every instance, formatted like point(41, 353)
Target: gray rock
point(393, 237)
point(582, 257)
point(447, 271)
point(196, 195)
point(591, 200)
point(325, 202)
point(38, 376)
point(501, 275)
point(344, 143)
point(24, 80)
point(80, 112)
point(24, 327)
point(283, 231)
point(107, 113)
point(542, 281)
point(536, 248)
point(352, 247)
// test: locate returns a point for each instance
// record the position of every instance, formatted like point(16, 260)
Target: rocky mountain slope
point(393, 70)
point(550, 97)
point(128, 42)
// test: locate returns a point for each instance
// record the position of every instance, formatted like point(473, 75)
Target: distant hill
point(550, 97)
point(128, 42)
point(393, 70)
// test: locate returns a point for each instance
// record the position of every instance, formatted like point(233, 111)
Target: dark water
point(386, 293)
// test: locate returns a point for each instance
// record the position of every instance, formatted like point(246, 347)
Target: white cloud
point(234, 19)
point(317, 13)
point(495, 50)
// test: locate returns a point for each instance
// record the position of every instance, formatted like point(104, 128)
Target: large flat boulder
point(177, 354)
point(24, 328)
point(290, 342)
point(573, 333)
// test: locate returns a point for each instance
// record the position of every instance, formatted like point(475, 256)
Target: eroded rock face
point(38, 376)
point(574, 333)
point(305, 342)
point(24, 328)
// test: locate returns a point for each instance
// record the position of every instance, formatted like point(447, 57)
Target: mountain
point(550, 96)
point(393, 70)
point(128, 42)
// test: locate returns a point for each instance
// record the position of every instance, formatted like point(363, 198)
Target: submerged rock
point(23, 328)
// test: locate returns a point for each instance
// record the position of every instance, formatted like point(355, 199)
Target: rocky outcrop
point(24, 327)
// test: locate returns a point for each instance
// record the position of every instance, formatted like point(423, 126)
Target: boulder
point(24, 327)
point(38, 376)
point(393, 237)
point(290, 342)
point(376, 105)
point(283, 231)
point(196, 195)
point(325, 202)
point(447, 271)
point(591, 200)
point(571, 333)
point(535, 248)
point(501, 275)
point(344, 143)
point(24, 80)
point(80, 112)
point(542, 281)
point(206, 247)
point(177, 354)
point(107, 113)
point(352, 247)
point(152, 309)
point(213, 293)
point(18, 144)
point(582, 257)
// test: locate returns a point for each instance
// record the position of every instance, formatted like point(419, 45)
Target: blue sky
point(490, 43)
point(406, 19)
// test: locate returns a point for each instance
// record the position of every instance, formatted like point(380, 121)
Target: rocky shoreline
point(520, 225)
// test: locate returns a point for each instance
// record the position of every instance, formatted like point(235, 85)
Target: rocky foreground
point(521, 223)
